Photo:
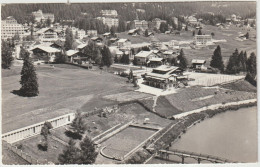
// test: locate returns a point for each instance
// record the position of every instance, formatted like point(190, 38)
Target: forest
point(162, 10)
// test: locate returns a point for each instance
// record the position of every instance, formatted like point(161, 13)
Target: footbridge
point(164, 154)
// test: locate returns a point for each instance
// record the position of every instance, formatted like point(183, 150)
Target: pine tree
point(186, 28)
point(68, 39)
point(29, 78)
point(77, 126)
point(6, 55)
point(193, 33)
point(146, 33)
point(199, 32)
point(247, 35)
point(216, 60)
point(70, 154)
point(233, 64)
point(116, 59)
point(107, 57)
point(242, 61)
point(251, 64)
point(88, 152)
point(182, 60)
point(163, 27)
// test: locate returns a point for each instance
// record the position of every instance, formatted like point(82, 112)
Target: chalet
point(165, 77)
point(155, 62)
point(143, 57)
point(123, 43)
point(57, 45)
point(107, 34)
point(113, 40)
point(45, 53)
point(133, 32)
point(75, 56)
point(198, 64)
point(97, 39)
point(47, 35)
point(81, 47)
point(155, 43)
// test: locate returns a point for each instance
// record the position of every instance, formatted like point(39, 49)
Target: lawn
point(240, 85)
point(61, 87)
point(30, 146)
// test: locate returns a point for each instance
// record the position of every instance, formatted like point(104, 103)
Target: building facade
point(109, 21)
point(109, 13)
point(39, 15)
point(165, 77)
point(202, 39)
point(49, 36)
point(141, 24)
point(10, 27)
point(157, 22)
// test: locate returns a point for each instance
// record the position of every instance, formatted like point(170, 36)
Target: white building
point(202, 39)
point(109, 13)
point(157, 22)
point(143, 57)
point(92, 32)
point(9, 27)
point(141, 24)
point(39, 15)
point(109, 21)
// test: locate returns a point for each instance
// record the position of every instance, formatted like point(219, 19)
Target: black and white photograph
point(170, 82)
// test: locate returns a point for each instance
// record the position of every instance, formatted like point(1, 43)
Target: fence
point(32, 130)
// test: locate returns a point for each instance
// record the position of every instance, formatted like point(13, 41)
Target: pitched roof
point(122, 40)
point(46, 49)
point(71, 52)
point(81, 46)
point(143, 54)
point(198, 61)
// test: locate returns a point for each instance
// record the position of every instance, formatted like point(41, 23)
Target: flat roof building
point(10, 27)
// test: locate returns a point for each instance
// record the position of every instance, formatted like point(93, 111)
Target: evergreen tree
point(212, 34)
point(186, 28)
point(77, 126)
point(45, 131)
point(68, 39)
point(113, 31)
point(116, 59)
point(233, 64)
point(48, 22)
point(146, 33)
point(247, 35)
point(107, 57)
point(251, 64)
point(70, 155)
point(163, 27)
point(179, 26)
point(242, 61)
point(182, 60)
point(193, 33)
point(29, 79)
point(216, 60)
point(173, 61)
point(6, 55)
point(199, 32)
point(88, 152)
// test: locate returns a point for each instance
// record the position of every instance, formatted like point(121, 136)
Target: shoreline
point(174, 134)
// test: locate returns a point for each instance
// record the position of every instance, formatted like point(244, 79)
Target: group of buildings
point(109, 18)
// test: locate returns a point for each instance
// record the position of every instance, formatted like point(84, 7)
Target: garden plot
point(205, 79)
point(126, 140)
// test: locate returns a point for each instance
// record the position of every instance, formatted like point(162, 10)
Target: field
point(63, 88)
point(240, 85)
point(206, 79)
point(125, 141)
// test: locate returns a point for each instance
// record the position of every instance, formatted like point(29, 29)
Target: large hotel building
point(9, 27)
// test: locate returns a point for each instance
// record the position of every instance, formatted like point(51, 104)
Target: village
point(131, 89)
